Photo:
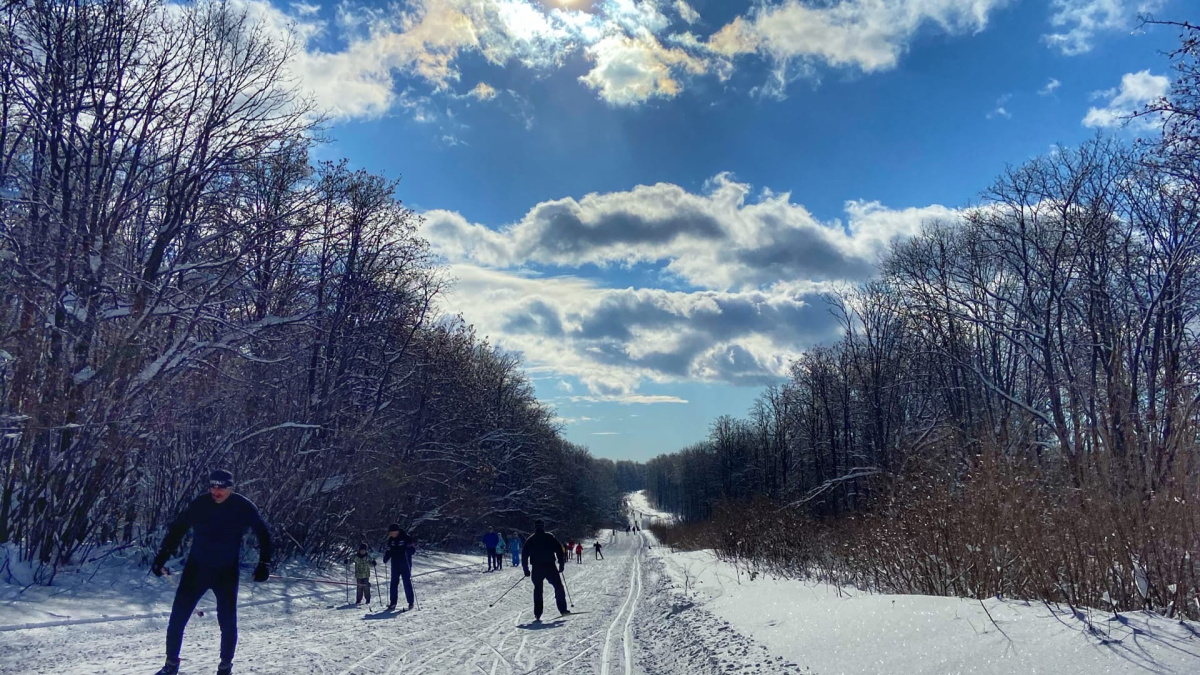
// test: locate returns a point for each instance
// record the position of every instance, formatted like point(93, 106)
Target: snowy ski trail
point(453, 632)
point(635, 573)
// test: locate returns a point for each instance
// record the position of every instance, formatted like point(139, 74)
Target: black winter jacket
point(218, 530)
point(543, 551)
point(400, 551)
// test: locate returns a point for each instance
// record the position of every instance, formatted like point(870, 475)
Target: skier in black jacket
point(217, 520)
point(399, 549)
point(547, 555)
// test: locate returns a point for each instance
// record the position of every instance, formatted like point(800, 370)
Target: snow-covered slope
point(832, 630)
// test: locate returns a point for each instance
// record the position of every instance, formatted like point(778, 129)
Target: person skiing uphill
point(217, 521)
point(399, 549)
point(547, 556)
point(596, 547)
point(579, 553)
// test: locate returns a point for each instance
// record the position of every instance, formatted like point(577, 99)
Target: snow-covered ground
point(830, 630)
point(302, 627)
point(643, 610)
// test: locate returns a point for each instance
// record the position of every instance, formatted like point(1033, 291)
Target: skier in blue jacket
point(399, 549)
point(514, 547)
point(490, 541)
point(217, 520)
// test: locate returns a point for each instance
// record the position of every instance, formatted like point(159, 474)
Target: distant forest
point(1014, 406)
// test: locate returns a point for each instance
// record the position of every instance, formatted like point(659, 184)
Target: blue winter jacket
point(491, 539)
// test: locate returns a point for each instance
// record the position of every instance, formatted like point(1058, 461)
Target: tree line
point(1014, 405)
point(182, 287)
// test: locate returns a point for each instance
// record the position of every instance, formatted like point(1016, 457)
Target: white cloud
point(1000, 110)
point(483, 92)
point(758, 269)
point(686, 11)
point(630, 70)
point(1135, 91)
point(1051, 87)
point(720, 239)
point(869, 35)
point(1078, 21)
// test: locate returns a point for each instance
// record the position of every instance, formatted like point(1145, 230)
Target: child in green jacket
point(362, 573)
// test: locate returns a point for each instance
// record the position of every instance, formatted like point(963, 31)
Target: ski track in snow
point(452, 632)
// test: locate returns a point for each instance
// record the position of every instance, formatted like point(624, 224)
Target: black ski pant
point(560, 595)
point(491, 555)
point(400, 572)
point(362, 590)
point(599, 555)
point(194, 582)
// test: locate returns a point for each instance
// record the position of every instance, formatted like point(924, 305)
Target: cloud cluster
point(722, 239)
point(637, 50)
point(756, 269)
point(1136, 90)
point(613, 339)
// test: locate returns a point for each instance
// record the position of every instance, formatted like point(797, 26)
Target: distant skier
point(596, 547)
point(490, 541)
point(579, 553)
point(399, 549)
point(363, 562)
point(217, 521)
point(547, 556)
point(628, 528)
point(514, 547)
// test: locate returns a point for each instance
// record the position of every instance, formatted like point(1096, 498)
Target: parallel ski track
point(630, 603)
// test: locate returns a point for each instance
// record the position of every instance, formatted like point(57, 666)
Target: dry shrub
point(1001, 528)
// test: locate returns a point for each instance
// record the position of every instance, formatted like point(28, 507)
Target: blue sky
point(647, 198)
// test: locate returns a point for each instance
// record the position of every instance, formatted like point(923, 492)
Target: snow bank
point(832, 630)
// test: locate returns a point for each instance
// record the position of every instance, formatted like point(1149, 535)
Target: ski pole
point(567, 588)
point(348, 584)
point(378, 591)
point(507, 592)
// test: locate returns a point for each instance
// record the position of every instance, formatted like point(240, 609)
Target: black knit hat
point(394, 527)
point(362, 545)
point(220, 478)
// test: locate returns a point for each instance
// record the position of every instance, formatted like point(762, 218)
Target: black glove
point(526, 572)
point(372, 563)
point(262, 572)
point(157, 566)
point(560, 567)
